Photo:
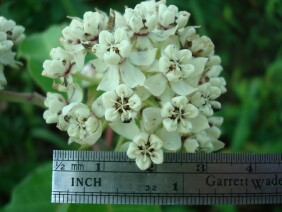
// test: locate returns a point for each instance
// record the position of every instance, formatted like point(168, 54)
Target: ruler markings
point(220, 178)
point(174, 173)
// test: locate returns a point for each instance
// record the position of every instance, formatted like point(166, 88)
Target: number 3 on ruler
point(150, 188)
point(201, 167)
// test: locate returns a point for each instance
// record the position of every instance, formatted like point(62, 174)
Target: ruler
point(90, 177)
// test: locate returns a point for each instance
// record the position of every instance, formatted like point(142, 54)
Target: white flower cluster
point(10, 35)
point(159, 82)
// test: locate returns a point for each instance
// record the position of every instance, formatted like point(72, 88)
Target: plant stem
point(119, 143)
point(31, 98)
point(85, 147)
point(85, 78)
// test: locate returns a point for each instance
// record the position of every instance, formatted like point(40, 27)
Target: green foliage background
point(247, 35)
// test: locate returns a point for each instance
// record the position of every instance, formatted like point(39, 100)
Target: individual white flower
point(170, 17)
point(142, 22)
point(146, 148)
point(186, 36)
point(54, 103)
point(63, 63)
point(113, 48)
point(121, 104)
point(177, 115)
point(204, 99)
point(81, 124)
point(61, 68)
point(72, 36)
point(83, 33)
point(175, 64)
point(177, 67)
point(14, 32)
point(202, 46)
point(143, 18)
point(93, 24)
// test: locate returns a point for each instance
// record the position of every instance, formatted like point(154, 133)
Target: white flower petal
point(123, 91)
point(213, 132)
point(110, 80)
point(124, 48)
point(166, 96)
point(217, 145)
point(143, 162)
point(143, 58)
point(156, 84)
point(99, 65)
point(111, 114)
point(199, 123)
point(142, 93)
point(154, 67)
point(191, 145)
point(182, 88)
point(93, 138)
point(158, 156)
point(111, 57)
point(75, 93)
point(131, 75)
point(68, 107)
point(170, 124)
point(106, 38)
point(109, 99)
point(132, 151)
point(127, 130)
point(151, 118)
point(199, 64)
point(143, 42)
point(171, 140)
point(98, 107)
point(184, 126)
point(134, 102)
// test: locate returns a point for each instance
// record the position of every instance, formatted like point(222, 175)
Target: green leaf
point(35, 49)
point(247, 115)
point(34, 193)
point(50, 137)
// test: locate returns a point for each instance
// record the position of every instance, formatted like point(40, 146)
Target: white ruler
point(90, 177)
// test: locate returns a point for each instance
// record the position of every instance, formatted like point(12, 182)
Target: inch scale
point(90, 177)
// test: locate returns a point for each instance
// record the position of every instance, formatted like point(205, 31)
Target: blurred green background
point(247, 35)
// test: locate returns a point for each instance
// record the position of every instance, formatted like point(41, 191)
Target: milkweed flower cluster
point(10, 35)
point(157, 82)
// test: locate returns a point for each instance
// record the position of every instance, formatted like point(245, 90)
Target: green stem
point(85, 78)
point(104, 125)
point(119, 143)
point(152, 102)
point(85, 147)
point(31, 98)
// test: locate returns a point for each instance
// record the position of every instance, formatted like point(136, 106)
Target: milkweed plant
point(147, 74)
